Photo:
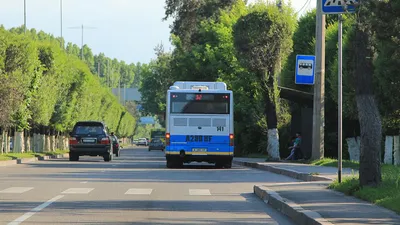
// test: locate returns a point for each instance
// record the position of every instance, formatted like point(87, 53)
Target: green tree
point(189, 14)
point(367, 107)
point(155, 83)
point(261, 38)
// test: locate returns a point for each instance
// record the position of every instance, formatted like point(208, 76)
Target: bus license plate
point(199, 150)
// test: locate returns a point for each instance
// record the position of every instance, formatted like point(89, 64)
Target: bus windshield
point(200, 103)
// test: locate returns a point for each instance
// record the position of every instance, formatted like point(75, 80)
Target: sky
point(127, 30)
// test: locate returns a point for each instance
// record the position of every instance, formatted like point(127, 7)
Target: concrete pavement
point(135, 188)
point(311, 202)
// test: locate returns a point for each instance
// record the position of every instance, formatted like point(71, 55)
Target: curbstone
point(33, 159)
point(26, 160)
point(299, 215)
point(286, 172)
point(8, 162)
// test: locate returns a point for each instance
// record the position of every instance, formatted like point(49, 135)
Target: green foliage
point(156, 80)
point(386, 195)
point(46, 87)
point(387, 78)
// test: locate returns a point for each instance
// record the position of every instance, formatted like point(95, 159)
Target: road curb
point(26, 160)
point(8, 163)
point(299, 215)
point(285, 172)
point(33, 159)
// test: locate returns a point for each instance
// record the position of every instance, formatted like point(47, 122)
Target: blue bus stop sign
point(337, 6)
point(305, 69)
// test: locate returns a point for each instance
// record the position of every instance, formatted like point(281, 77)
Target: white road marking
point(34, 211)
point(84, 182)
point(78, 191)
point(139, 191)
point(16, 190)
point(199, 192)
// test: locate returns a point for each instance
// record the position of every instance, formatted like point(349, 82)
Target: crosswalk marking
point(139, 191)
point(199, 192)
point(16, 190)
point(78, 191)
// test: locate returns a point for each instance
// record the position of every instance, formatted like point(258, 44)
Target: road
point(135, 188)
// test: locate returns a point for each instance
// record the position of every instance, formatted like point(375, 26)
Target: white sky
point(124, 29)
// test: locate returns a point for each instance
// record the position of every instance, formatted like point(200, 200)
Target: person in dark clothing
point(295, 148)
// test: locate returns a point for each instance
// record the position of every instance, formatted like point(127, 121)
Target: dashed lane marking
point(27, 215)
point(16, 190)
point(139, 191)
point(78, 191)
point(199, 192)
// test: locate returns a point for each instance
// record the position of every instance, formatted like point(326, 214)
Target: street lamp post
point(82, 27)
point(61, 23)
point(25, 16)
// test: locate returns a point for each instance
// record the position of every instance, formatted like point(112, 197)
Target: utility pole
point(98, 69)
point(61, 23)
point(82, 28)
point(25, 16)
point(319, 87)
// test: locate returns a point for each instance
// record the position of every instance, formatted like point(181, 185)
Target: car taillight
point(167, 139)
point(73, 141)
point(231, 140)
point(105, 141)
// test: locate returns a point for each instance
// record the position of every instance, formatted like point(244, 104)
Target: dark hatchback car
point(156, 144)
point(90, 138)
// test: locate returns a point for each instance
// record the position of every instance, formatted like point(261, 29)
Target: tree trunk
point(396, 149)
point(368, 113)
point(272, 120)
point(353, 144)
point(371, 137)
point(18, 144)
point(27, 141)
point(1, 141)
point(6, 142)
point(388, 159)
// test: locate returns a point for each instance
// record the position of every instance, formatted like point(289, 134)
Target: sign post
point(305, 69)
point(339, 7)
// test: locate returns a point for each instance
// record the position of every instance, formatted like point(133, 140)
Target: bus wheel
point(170, 164)
point(219, 165)
point(228, 165)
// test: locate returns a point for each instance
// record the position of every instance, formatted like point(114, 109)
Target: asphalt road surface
point(135, 188)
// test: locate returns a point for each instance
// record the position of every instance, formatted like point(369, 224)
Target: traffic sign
point(338, 6)
point(305, 69)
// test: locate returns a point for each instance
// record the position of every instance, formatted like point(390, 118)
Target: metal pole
point(82, 44)
point(61, 23)
point(340, 102)
point(25, 16)
point(319, 87)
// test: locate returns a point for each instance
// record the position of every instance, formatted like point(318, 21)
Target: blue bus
point(199, 124)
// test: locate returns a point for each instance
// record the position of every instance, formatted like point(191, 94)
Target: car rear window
point(85, 129)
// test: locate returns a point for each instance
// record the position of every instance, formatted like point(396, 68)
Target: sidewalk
point(296, 170)
point(311, 202)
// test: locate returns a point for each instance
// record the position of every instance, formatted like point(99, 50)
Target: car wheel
point(107, 158)
point(73, 157)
